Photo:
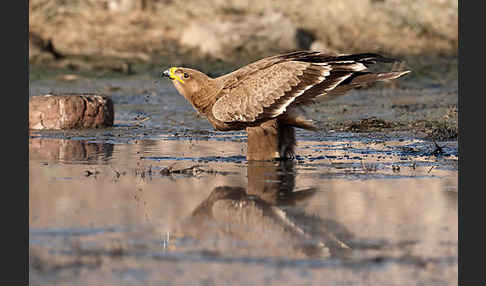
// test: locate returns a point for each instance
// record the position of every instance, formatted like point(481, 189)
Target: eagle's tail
point(363, 78)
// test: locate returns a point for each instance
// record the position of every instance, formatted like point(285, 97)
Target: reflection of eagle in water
point(269, 93)
point(249, 218)
point(268, 213)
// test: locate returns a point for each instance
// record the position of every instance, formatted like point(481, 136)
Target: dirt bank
point(217, 35)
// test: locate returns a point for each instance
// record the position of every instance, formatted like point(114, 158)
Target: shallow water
point(166, 200)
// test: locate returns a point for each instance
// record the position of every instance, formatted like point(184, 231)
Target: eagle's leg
point(287, 141)
point(271, 140)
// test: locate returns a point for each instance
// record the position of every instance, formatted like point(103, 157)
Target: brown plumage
point(266, 97)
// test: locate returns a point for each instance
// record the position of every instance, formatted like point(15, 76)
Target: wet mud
point(161, 198)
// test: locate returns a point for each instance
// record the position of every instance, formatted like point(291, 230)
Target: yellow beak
point(170, 73)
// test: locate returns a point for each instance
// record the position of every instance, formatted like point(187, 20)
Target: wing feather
point(266, 88)
point(266, 92)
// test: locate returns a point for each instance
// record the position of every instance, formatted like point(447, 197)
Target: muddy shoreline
point(424, 109)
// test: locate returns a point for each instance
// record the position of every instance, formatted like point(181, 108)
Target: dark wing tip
point(320, 57)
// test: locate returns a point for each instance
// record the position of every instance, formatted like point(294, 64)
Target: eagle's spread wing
point(266, 88)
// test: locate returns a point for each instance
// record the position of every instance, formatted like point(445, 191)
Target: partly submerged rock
point(67, 150)
point(70, 111)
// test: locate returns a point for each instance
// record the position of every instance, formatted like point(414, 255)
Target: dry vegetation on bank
point(238, 31)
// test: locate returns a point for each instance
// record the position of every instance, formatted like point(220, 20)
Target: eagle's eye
point(186, 75)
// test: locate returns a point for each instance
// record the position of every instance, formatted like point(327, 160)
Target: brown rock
point(220, 37)
point(322, 47)
point(70, 111)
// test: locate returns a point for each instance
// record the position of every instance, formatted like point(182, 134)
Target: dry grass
point(399, 27)
point(153, 27)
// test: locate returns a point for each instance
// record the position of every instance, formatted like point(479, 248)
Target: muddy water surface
point(161, 199)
